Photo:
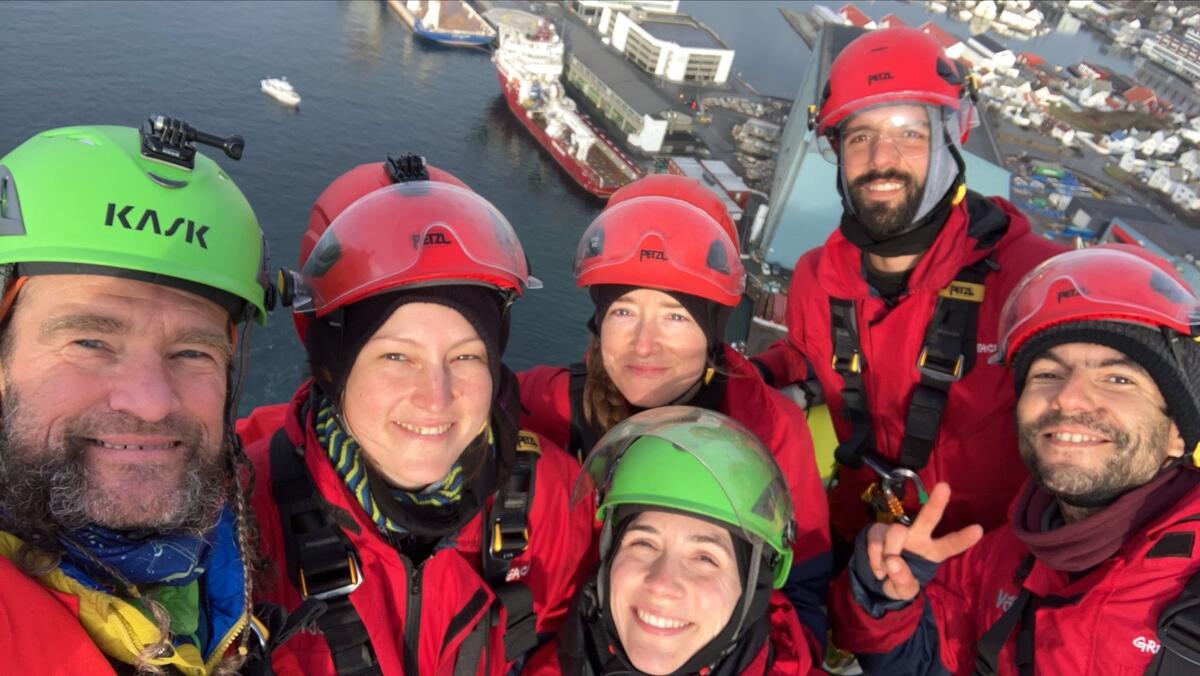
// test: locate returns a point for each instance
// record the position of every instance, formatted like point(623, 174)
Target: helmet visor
point(664, 243)
point(1100, 283)
point(733, 478)
point(911, 130)
point(409, 233)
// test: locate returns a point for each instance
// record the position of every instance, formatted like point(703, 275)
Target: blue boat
point(445, 22)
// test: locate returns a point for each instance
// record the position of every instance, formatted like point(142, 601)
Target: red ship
point(529, 64)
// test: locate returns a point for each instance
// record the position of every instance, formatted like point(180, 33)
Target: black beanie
point(333, 346)
point(1177, 378)
point(710, 316)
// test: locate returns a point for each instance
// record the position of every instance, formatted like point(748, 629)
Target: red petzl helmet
point(356, 183)
point(1112, 282)
point(681, 188)
point(891, 65)
point(409, 234)
point(661, 243)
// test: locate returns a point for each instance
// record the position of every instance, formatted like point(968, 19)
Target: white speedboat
point(281, 90)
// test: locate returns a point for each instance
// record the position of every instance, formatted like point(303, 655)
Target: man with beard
point(895, 315)
point(1089, 575)
point(129, 265)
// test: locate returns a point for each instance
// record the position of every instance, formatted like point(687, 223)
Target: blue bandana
point(173, 559)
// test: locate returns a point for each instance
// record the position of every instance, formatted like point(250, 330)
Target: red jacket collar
point(971, 221)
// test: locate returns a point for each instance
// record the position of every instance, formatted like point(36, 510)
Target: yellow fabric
point(825, 441)
point(118, 628)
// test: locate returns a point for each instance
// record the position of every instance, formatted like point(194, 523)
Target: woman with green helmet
point(127, 262)
point(695, 544)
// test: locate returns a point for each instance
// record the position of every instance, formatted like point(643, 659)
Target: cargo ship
point(529, 65)
point(445, 22)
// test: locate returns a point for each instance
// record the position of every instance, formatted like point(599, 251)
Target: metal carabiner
point(902, 475)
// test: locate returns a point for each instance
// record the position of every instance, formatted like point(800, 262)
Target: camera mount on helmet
point(170, 140)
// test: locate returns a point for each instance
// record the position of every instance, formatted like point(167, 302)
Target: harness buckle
point(851, 365)
point(332, 583)
point(938, 369)
point(510, 537)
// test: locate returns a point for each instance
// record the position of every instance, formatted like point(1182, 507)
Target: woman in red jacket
point(663, 269)
point(696, 537)
point(400, 491)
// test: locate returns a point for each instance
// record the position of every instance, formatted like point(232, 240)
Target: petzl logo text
point(653, 254)
point(878, 77)
point(430, 239)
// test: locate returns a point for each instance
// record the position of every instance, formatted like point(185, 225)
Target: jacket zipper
point(412, 616)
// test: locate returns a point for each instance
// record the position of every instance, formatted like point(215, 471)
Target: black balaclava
point(710, 316)
point(335, 346)
point(730, 650)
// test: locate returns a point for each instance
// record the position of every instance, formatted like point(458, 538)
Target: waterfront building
point(603, 13)
point(717, 177)
point(674, 47)
point(1174, 54)
point(645, 116)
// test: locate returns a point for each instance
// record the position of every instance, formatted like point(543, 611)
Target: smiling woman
point(409, 433)
point(697, 536)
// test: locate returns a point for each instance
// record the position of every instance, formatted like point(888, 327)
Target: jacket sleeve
point(782, 364)
point(545, 402)
point(936, 633)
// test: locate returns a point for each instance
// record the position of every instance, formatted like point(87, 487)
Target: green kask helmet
point(694, 461)
point(86, 200)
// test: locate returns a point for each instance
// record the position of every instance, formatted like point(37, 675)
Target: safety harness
point(325, 567)
point(947, 355)
point(1178, 626)
point(583, 437)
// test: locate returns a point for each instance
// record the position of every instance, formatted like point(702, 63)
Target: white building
point(1174, 54)
point(1185, 196)
point(1190, 161)
point(602, 13)
point(676, 48)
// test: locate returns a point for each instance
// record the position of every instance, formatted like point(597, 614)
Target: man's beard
point(1135, 460)
point(48, 490)
point(884, 221)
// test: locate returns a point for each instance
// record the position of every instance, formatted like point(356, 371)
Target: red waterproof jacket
point(776, 420)
point(40, 629)
point(445, 588)
point(976, 447)
point(787, 655)
point(1101, 623)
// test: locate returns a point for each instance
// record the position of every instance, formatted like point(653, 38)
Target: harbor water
point(369, 88)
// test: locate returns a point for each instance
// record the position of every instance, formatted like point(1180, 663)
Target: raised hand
point(886, 542)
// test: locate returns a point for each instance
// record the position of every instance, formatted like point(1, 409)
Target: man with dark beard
point(895, 315)
point(130, 269)
point(1104, 344)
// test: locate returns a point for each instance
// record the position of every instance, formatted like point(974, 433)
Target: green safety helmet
point(92, 199)
point(694, 461)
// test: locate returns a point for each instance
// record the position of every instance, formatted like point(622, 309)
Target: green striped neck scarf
point(346, 457)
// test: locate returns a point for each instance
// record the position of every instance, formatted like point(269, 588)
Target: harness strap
point(506, 536)
point(1023, 612)
point(583, 438)
point(947, 354)
point(320, 559)
point(1179, 632)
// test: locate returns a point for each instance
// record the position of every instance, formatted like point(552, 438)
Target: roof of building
point(1139, 94)
point(628, 81)
point(993, 46)
point(729, 180)
point(944, 38)
point(891, 21)
point(682, 30)
point(1031, 59)
point(854, 15)
point(1105, 210)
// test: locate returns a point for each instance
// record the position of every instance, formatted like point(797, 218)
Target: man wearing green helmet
point(696, 542)
point(128, 261)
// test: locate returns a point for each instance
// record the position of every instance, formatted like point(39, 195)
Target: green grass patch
point(1106, 122)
